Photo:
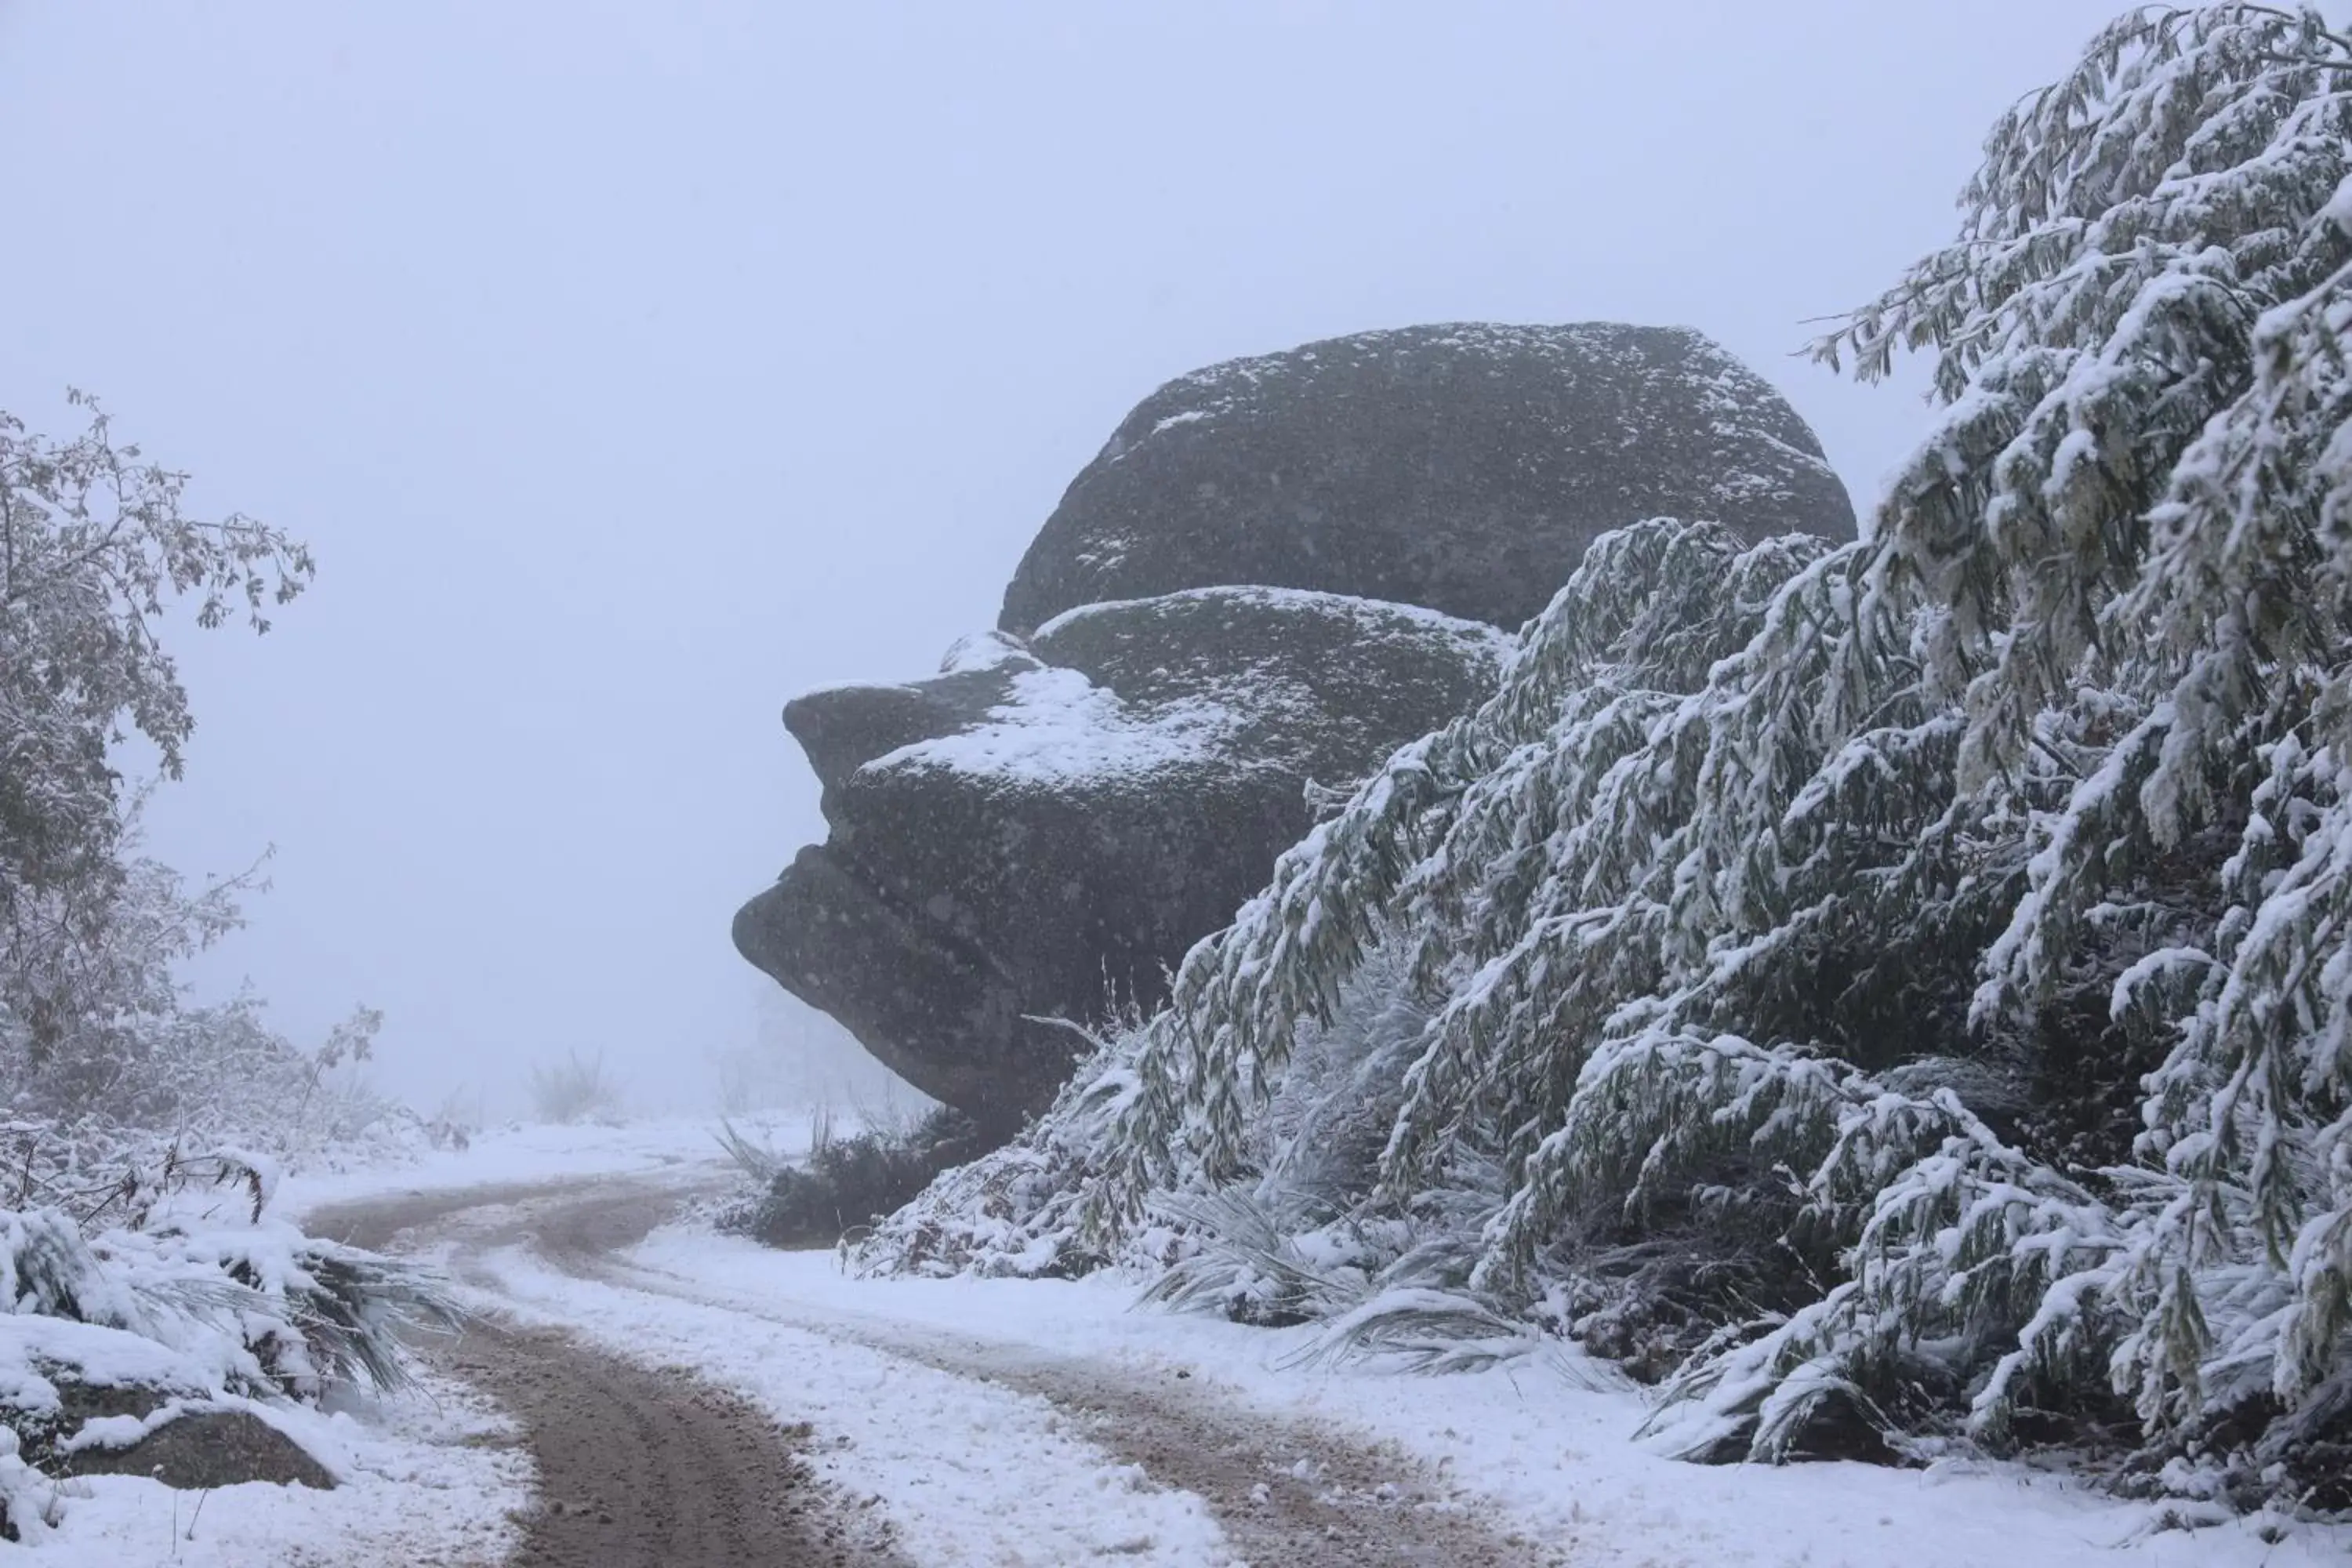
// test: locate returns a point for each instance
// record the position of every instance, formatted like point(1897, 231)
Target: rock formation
point(1462, 467)
point(1042, 828)
point(1278, 571)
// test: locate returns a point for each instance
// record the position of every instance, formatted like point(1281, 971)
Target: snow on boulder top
point(983, 650)
point(1230, 675)
point(1051, 816)
point(1313, 601)
point(1056, 725)
point(1460, 466)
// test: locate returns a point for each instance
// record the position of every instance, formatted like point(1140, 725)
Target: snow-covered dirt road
point(638, 1467)
point(642, 1462)
point(679, 1381)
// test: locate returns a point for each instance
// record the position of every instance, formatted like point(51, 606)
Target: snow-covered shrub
point(141, 1134)
point(846, 1182)
point(1012, 1211)
point(576, 1089)
point(1910, 981)
point(752, 1155)
point(454, 1123)
point(201, 1294)
point(148, 1076)
point(100, 1051)
point(133, 1266)
point(199, 1311)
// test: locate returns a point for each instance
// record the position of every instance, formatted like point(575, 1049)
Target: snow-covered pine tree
point(1924, 962)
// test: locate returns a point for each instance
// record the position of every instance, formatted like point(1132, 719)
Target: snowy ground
point(1529, 1441)
point(428, 1478)
point(968, 1472)
point(519, 1154)
point(971, 1468)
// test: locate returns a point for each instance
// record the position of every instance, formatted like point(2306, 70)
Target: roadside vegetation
point(1893, 994)
point(846, 1182)
point(576, 1089)
point(144, 1132)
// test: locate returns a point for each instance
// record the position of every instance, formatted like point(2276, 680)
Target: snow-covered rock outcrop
point(1042, 826)
point(1462, 466)
point(1278, 571)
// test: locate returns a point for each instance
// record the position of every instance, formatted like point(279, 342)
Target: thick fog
point(634, 367)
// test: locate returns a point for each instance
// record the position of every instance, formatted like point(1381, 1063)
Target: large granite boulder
point(1045, 827)
point(1278, 570)
point(1462, 466)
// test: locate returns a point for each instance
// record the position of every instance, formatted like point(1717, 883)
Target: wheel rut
point(638, 1467)
point(1288, 1492)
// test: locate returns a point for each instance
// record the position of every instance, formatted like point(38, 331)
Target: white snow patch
point(2338, 210)
point(32, 1345)
point(1059, 726)
point(983, 650)
point(1313, 599)
point(542, 1153)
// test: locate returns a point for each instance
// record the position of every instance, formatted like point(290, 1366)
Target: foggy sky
point(633, 367)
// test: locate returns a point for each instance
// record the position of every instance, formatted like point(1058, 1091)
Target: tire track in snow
point(973, 1476)
point(639, 1468)
point(1288, 1492)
